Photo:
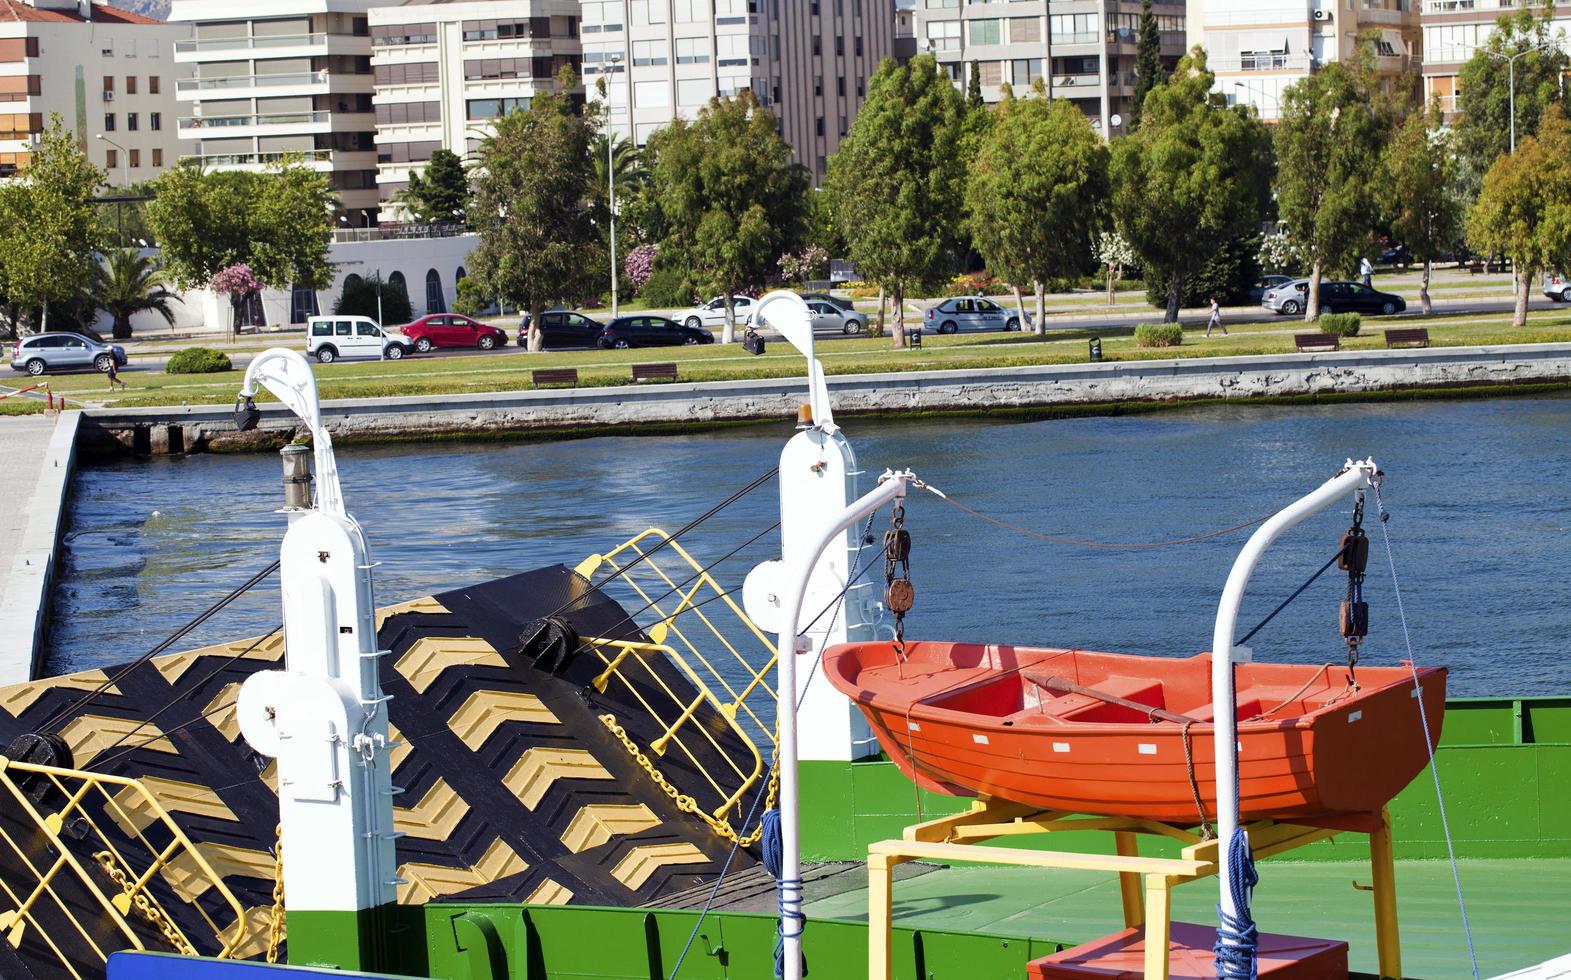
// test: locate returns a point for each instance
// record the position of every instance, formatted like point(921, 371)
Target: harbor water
point(1479, 494)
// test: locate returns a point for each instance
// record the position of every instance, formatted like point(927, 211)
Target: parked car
point(1557, 286)
point(1395, 255)
point(46, 352)
point(562, 328)
point(973, 312)
point(836, 301)
point(829, 318)
point(1336, 296)
point(452, 330)
point(646, 330)
point(328, 338)
point(1265, 284)
point(712, 313)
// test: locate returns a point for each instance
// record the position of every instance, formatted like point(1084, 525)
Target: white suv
point(1557, 287)
point(327, 338)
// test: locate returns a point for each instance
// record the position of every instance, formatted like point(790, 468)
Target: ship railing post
point(1224, 654)
point(891, 487)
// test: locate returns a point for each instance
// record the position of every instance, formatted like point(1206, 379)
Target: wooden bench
point(1408, 337)
point(555, 376)
point(654, 372)
point(1316, 341)
point(1475, 268)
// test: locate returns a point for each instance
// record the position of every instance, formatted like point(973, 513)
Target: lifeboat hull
point(970, 720)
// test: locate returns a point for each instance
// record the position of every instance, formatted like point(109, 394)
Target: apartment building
point(1083, 50)
point(1453, 30)
point(1258, 49)
point(107, 72)
point(443, 71)
point(289, 77)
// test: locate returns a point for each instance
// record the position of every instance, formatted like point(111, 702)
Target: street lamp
point(125, 160)
point(1510, 61)
point(610, 173)
point(1254, 92)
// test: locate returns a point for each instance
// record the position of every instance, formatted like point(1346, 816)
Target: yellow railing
point(124, 863)
point(684, 616)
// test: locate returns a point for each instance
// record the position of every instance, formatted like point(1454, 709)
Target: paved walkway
point(26, 439)
point(41, 452)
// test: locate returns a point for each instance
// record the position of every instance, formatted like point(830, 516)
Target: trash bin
point(1096, 348)
point(914, 337)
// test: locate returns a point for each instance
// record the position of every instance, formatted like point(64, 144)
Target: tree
point(1524, 209)
point(1037, 193)
point(1192, 181)
point(1421, 196)
point(1148, 62)
point(731, 198)
point(128, 284)
point(1328, 142)
point(278, 222)
point(49, 230)
point(531, 206)
point(974, 86)
point(384, 302)
point(438, 193)
point(898, 182)
point(1484, 97)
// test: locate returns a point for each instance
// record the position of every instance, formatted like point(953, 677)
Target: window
point(434, 303)
point(111, 158)
point(343, 328)
point(1074, 28)
point(692, 50)
point(494, 108)
point(109, 83)
point(303, 305)
point(646, 12)
point(155, 121)
point(933, 4)
point(733, 50)
point(991, 72)
point(818, 126)
point(840, 86)
point(818, 86)
point(158, 157)
point(858, 44)
point(109, 122)
point(840, 45)
point(324, 328)
point(690, 11)
point(649, 52)
point(818, 45)
point(944, 35)
point(1025, 71)
point(988, 31)
point(131, 122)
point(1024, 29)
point(651, 95)
point(152, 85)
point(135, 158)
point(130, 85)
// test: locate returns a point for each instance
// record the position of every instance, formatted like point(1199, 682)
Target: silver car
point(972, 313)
point(46, 352)
point(1557, 286)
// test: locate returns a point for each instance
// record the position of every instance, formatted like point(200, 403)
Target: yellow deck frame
point(134, 864)
point(953, 838)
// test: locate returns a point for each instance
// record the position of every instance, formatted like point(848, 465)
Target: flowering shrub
point(639, 265)
point(1279, 253)
point(808, 265)
point(981, 283)
point(1112, 249)
point(235, 280)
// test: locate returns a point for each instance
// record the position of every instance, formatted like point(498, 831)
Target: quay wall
point(24, 606)
point(176, 429)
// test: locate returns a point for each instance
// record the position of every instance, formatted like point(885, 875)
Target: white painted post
point(1224, 654)
point(799, 574)
point(324, 716)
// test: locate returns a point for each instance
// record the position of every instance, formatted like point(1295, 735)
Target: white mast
point(1224, 654)
point(324, 716)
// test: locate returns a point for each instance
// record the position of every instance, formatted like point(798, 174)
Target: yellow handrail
point(680, 625)
point(130, 860)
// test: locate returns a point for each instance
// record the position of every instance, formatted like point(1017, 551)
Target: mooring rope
point(1237, 938)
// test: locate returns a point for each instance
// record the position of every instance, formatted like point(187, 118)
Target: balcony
point(238, 45)
point(289, 119)
point(258, 160)
point(1467, 6)
point(233, 84)
point(1263, 61)
point(1091, 81)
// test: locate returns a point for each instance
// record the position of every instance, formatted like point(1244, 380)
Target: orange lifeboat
point(1116, 735)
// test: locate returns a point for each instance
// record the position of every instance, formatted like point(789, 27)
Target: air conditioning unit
point(1322, 14)
point(109, 96)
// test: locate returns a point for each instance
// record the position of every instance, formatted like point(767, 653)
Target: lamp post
point(1510, 61)
point(125, 180)
point(1254, 93)
point(610, 173)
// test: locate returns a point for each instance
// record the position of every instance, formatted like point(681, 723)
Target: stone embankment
point(664, 406)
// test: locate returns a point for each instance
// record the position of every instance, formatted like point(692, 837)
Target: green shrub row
point(1159, 335)
point(1341, 324)
point(197, 360)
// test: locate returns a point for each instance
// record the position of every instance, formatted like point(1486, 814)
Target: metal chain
point(685, 803)
point(1355, 611)
point(275, 934)
point(899, 595)
point(150, 911)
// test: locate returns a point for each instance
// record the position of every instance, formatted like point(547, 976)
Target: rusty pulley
point(899, 595)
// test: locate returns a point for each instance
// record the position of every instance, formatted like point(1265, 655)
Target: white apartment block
point(1083, 50)
point(1257, 49)
point(1454, 29)
point(285, 78)
point(445, 70)
point(107, 72)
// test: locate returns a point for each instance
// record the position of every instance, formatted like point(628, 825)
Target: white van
point(327, 338)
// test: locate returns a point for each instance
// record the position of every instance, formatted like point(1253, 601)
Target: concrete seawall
point(33, 549)
point(190, 428)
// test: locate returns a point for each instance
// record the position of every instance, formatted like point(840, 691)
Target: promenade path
point(40, 452)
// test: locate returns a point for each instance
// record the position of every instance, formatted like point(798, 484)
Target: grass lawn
point(494, 372)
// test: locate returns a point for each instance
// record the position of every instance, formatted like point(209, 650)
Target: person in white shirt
point(1216, 318)
point(1367, 270)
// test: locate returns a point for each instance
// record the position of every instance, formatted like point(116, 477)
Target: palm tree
point(627, 162)
point(128, 285)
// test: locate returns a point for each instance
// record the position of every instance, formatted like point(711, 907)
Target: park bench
point(555, 376)
point(1315, 341)
point(654, 372)
point(1475, 267)
point(1408, 337)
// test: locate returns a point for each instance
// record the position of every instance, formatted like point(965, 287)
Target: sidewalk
point(42, 452)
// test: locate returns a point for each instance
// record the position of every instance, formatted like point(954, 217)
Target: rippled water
point(1480, 493)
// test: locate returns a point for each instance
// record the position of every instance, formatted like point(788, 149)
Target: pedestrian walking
point(113, 374)
point(1216, 318)
point(1367, 270)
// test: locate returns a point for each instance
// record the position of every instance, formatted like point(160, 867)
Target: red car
point(452, 330)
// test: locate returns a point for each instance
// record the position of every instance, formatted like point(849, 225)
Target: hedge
point(1341, 324)
point(1159, 335)
point(197, 360)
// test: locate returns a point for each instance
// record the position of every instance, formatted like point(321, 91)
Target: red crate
point(1121, 956)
